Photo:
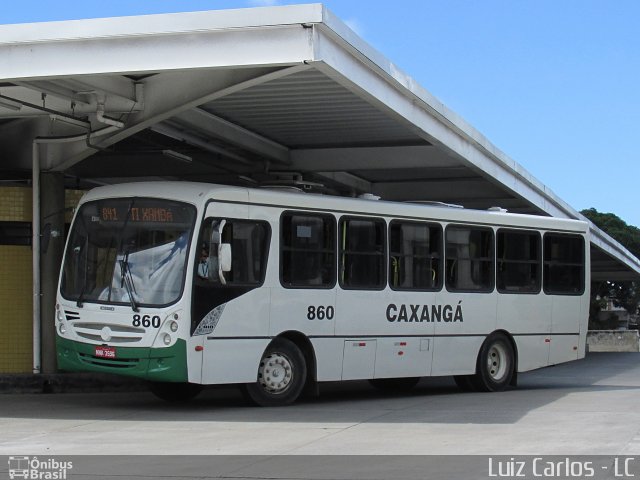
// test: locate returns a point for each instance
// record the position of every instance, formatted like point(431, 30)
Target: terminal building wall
point(16, 276)
point(16, 281)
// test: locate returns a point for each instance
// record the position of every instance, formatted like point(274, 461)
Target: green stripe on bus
point(156, 364)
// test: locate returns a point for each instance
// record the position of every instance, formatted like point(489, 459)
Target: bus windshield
point(130, 251)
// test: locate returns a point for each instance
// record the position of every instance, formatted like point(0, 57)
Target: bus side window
point(469, 261)
point(362, 253)
point(249, 247)
point(564, 264)
point(519, 261)
point(307, 255)
point(415, 256)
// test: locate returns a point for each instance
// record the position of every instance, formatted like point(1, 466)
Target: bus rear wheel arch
point(281, 375)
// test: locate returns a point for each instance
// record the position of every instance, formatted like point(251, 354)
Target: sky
point(553, 84)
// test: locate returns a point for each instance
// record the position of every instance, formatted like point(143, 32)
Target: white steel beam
point(58, 91)
point(192, 139)
point(162, 42)
point(198, 119)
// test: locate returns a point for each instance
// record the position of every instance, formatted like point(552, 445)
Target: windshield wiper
point(126, 280)
point(80, 301)
point(126, 277)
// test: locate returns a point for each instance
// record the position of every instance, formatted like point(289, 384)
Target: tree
point(623, 294)
point(627, 235)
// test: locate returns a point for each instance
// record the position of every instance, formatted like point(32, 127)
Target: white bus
point(190, 284)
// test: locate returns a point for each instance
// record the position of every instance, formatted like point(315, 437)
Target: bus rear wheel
point(281, 375)
point(496, 364)
point(175, 392)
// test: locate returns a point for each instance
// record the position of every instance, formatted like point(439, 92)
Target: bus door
point(228, 301)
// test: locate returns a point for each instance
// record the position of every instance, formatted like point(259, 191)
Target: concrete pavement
point(583, 408)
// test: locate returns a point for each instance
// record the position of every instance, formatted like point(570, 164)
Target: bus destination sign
point(137, 214)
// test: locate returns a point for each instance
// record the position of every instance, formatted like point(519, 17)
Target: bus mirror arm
point(216, 234)
point(220, 264)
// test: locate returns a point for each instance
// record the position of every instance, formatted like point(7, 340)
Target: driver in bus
point(203, 266)
point(207, 264)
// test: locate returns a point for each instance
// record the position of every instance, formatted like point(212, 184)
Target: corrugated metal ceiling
point(311, 110)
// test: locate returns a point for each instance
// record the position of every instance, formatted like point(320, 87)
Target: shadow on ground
point(433, 400)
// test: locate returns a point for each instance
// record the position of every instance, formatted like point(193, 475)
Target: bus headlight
point(60, 315)
point(166, 338)
point(173, 326)
point(62, 329)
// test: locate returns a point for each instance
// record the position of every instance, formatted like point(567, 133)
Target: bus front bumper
point(155, 364)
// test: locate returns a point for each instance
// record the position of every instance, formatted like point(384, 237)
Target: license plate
point(106, 352)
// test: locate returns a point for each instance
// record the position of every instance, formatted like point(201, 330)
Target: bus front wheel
point(281, 375)
point(496, 364)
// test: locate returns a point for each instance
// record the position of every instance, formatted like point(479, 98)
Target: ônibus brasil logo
point(35, 469)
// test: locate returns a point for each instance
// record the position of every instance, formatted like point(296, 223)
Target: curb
point(68, 383)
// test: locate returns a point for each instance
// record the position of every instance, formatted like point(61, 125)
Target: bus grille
point(121, 363)
point(116, 333)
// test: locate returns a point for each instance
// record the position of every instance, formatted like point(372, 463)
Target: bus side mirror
point(224, 257)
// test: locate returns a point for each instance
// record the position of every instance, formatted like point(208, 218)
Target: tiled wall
point(15, 204)
point(16, 287)
point(16, 282)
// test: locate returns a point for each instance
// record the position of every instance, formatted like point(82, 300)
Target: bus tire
point(281, 377)
point(496, 364)
point(395, 384)
point(175, 392)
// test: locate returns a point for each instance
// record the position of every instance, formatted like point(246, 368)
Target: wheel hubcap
point(497, 362)
point(275, 373)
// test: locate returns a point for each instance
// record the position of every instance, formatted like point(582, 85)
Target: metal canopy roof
point(249, 96)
